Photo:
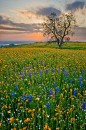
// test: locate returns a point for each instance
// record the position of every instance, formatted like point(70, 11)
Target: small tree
point(58, 28)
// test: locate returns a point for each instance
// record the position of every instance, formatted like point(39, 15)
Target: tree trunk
point(59, 46)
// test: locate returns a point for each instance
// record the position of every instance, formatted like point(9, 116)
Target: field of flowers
point(42, 89)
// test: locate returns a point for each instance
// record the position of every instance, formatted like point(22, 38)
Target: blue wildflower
point(25, 68)
point(46, 71)
point(24, 97)
point(22, 75)
point(40, 73)
point(30, 98)
point(82, 71)
point(80, 78)
point(16, 85)
point(81, 83)
point(48, 105)
point(71, 81)
point(54, 85)
point(75, 92)
point(45, 64)
point(84, 106)
point(65, 79)
point(63, 69)
point(39, 61)
point(53, 70)
point(57, 90)
point(0, 103)
point(74, 73)
point(30, 74)
point(66, 73)
point(85, 78)
point(51, 91)
point(13, 94)
point(58, 71)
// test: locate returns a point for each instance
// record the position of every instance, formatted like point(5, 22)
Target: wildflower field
point(42, 89)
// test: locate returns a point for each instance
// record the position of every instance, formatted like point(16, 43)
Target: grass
point(42, 89)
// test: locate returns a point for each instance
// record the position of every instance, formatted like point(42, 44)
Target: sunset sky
point(20, 20)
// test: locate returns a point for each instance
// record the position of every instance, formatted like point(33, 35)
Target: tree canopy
point(59, 28)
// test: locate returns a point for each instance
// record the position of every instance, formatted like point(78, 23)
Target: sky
point(20, 20)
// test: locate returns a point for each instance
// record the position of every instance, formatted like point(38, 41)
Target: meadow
point(42, 89)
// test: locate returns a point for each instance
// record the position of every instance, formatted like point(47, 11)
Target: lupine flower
point(66, 73)
point(22, 75)
point(58, 71)
point(85, 78)
point(82, 71)
point(54, 85)
point(71, 81)
point(48, 105)
point(51, 91)
point(0, 103)
point(30, 74)
point(13, 94)
point(24, 97)
point(25, 68)
point(40, 73)
point(74, 73)
point(84, 106)
point(75, 92)
point(30, 98)
point(45, 64)
point(63, 69)
point(80, 78)
point(81, 83)
point(57, 90)
point(16, 85)
point(65, 79)
point(39, 61)
point(46, 71)
point(54, 70)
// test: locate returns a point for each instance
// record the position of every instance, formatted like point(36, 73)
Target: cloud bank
point(29, 28)
point(75, 5)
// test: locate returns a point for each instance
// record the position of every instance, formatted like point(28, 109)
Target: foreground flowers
point(42, 89)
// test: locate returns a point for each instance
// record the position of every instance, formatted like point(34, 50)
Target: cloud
point(6, 24)
point(74, 6)
point(38, 12)
point(80, 21)
point(80, 30)
point(46, 11)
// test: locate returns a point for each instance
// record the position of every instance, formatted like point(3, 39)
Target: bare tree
point(58, 28)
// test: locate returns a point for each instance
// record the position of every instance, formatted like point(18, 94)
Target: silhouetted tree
point(58, 28)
